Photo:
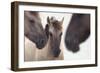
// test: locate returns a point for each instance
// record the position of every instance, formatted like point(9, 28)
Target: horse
point(35, 36)
point(33, 29)
point(78, 31)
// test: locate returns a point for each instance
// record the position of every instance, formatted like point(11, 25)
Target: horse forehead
point(51, 29)
point(54, 30)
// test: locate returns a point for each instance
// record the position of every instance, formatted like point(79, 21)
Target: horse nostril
point(41, 41)
point(56, 53)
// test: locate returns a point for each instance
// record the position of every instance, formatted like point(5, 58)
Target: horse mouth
point(57, 53)
point(40, 46)
point(72, 47)
point(72, 44)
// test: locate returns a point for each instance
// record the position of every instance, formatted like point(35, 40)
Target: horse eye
point(32, 21)
point(60, 34)
point(50, 34)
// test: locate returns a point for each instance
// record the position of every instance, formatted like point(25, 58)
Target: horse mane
point(57, 25)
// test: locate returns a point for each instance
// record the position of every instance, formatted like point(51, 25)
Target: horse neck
point(48, 49)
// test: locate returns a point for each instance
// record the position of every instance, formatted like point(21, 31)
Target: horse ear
point(48, 20)
point(62, 20)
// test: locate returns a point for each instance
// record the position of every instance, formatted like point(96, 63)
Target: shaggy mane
point(57, 25)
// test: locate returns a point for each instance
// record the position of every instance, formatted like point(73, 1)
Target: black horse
point(78, 31)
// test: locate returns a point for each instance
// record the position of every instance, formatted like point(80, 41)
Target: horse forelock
point(57, 25)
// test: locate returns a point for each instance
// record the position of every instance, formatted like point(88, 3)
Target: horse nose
point(41, 43)
point(57, 52)
point(72, 44)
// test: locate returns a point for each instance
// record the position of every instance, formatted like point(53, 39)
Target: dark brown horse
point(33, 29)
point(78, 31)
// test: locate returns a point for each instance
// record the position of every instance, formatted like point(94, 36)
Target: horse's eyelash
point(32, 21)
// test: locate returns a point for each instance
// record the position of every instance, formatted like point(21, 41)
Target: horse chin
point(57, 53)
point(56, 56)
point(41, 43)
point(72, 47)
point(40, 46)
point(75, 49)
point(72, 44)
